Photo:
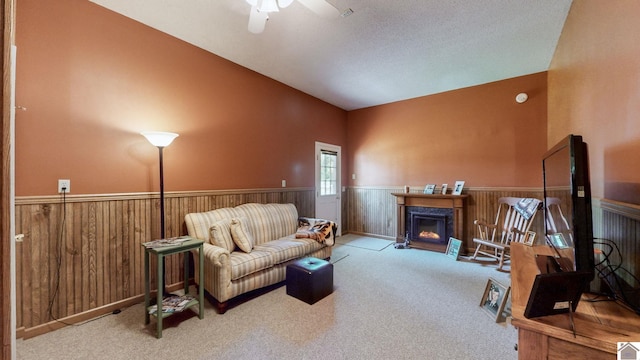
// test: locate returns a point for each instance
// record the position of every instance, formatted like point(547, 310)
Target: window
point(328, 172)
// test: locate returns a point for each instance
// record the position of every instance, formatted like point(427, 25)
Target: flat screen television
point(568, 226)
point(567, 197)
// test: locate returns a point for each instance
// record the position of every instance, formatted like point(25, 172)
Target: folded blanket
point(322, 231)
point(527, 207)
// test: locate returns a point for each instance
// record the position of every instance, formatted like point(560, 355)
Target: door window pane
point(328, 172)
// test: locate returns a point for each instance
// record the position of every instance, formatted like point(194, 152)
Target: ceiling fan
point(260, 10)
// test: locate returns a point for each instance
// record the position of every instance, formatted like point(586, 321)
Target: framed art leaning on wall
point(494, 298)
point(453, 248)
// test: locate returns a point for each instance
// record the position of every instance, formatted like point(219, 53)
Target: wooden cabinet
point(599, 326)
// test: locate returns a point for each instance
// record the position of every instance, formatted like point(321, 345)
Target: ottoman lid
point(310, 263)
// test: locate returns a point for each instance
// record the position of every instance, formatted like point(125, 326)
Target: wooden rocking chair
point(510, 225)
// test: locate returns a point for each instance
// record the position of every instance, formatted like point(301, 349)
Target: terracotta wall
point(594, 90)
point(91, 80)
point(477, 134)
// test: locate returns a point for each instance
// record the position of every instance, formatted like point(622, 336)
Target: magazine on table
point(165, 242)
point(172, 304)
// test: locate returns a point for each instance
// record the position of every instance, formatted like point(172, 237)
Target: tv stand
point(598, 326)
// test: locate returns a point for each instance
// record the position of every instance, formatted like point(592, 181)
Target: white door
point(328, 184)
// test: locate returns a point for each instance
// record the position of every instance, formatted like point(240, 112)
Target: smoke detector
point(522, 97)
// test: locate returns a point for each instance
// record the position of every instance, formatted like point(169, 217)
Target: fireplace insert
point(431, 225)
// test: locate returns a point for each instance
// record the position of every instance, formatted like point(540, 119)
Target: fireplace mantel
point(455, 202)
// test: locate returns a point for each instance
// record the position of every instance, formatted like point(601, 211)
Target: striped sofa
point(248, 247)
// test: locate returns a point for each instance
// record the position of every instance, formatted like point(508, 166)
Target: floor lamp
point(161, 140)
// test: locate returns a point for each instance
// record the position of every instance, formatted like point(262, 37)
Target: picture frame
point(429, 189)
point(443, 189)
point(494, 298)
point(453, 248)
point(558, 240)
point(457, 188)
point(529, 238)
point(506, 312)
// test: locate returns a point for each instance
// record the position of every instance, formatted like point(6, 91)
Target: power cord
point(609, 273)
point(59, 246)
point(60, 238)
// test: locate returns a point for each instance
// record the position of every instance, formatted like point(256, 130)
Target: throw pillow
point(241, 235)
point(220, 234)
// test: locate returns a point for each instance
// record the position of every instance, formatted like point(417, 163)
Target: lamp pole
point(161, 140)
point(162, 230)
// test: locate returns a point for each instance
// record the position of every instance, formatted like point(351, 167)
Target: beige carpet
point(387, 304)
point(364, 242)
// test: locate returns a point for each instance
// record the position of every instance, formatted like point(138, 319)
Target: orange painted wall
point(477, 134)
point(91, 80)
point(594, 91)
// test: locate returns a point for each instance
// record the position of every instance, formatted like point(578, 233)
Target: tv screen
point(567, 197)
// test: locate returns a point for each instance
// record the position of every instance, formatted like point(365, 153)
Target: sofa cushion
point(243, 264)
point(269, 221)
point(199, 224)
point(221, 234)
point(284, 249)
point(241, 235)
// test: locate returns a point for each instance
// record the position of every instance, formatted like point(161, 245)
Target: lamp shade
point(159, 138)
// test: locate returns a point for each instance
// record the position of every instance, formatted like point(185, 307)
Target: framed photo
point(453, 248)
point(494, 298)
point(429, 189)
point(558, 240)
point(443, 189)
point(506, 312)
point(457, 188)
point(529, 238)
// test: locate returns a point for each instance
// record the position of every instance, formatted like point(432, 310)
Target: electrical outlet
point(284, 183)
point(64, 186)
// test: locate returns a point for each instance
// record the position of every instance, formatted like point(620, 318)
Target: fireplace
point(431, 225)
point(436, 213)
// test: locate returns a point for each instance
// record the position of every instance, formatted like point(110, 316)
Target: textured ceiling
point(384, 52)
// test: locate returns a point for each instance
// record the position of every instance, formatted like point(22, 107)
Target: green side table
point(160, 253)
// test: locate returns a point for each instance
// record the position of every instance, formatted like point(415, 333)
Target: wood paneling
point(371, 211)
point(621, 225)
point(82, 254)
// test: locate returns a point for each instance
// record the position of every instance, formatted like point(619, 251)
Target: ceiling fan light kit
point(260, 10)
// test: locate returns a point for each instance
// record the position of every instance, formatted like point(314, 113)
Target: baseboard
point(77, 319)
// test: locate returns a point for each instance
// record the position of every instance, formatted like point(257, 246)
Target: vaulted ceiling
point(383, 52)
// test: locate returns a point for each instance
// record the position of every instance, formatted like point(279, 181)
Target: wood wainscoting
point(94, 263)
point(621, 225)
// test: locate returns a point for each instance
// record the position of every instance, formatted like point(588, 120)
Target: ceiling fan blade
point(257, 20)
point(284, 3)
point(320, 7)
